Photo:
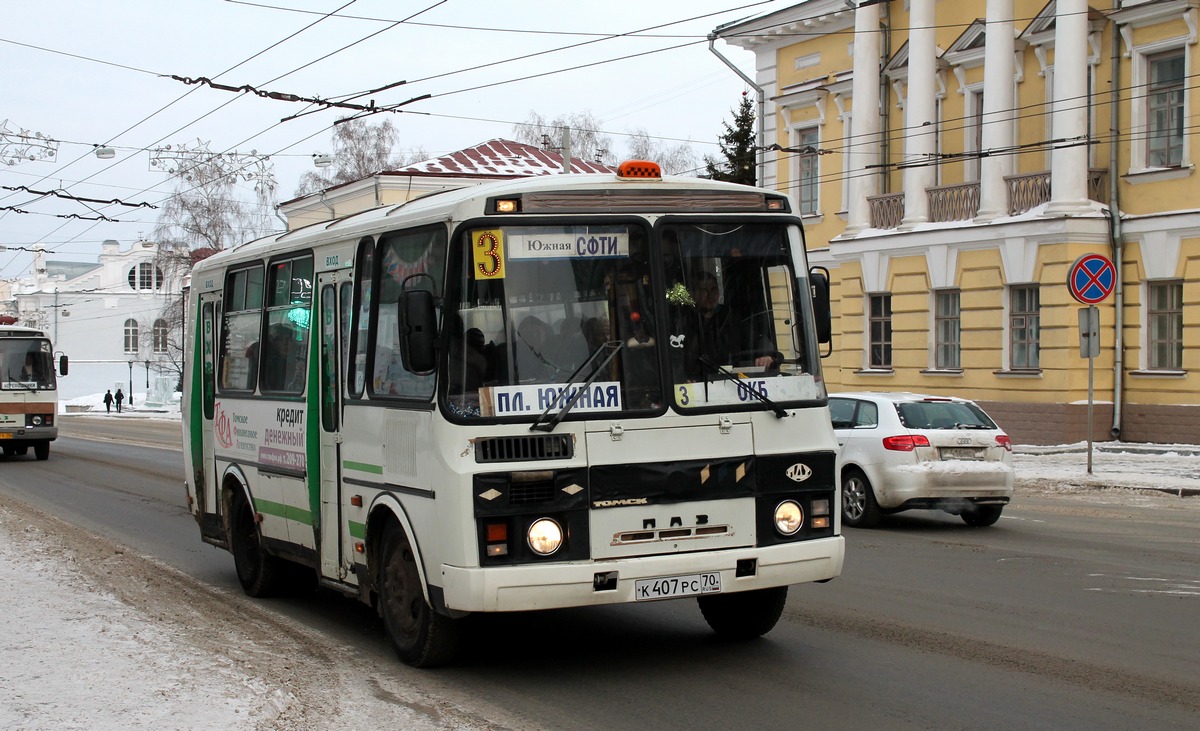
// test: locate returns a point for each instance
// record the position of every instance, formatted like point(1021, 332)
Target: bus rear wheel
point(41, 450)
point(422, 637)
point(743, 615)
point(257, 571)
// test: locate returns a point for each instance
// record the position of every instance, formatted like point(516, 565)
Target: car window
point(841, 413)
point(866, 416)
point(943, 415)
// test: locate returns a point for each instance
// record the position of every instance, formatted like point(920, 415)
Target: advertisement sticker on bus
point(279, 444)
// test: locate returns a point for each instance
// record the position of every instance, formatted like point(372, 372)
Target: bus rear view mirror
point(62, 365)
point(818, 278)
point(418, 331)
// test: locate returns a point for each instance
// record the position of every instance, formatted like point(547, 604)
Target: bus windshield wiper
point(743, 383)
point(612, 348)
point(14, 385)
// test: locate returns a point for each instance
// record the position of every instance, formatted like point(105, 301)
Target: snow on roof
point(502, 158)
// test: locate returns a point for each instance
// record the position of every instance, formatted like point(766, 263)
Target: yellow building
point(951, 169)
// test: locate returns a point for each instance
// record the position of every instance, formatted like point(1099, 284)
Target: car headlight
point(789, 517)
point(545, 536)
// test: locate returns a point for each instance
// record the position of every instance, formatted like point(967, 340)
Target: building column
point(865, 118)
point(1069, 158)
point(920, 114)
point(998, 101)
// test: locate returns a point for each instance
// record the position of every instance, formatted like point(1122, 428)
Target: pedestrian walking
point(119, 398)
point(108, 401)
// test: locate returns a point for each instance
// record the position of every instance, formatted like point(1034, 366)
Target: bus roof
point(20, 331)
point(436, 206)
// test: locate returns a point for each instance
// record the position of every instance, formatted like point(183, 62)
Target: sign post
point(1091, 280)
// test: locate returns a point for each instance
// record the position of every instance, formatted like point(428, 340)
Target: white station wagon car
point(901, 451)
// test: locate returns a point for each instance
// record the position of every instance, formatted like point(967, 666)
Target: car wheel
point(982, 516)
point(859, 509)
point(743, 615)
point(257, 571)
point(421, 637)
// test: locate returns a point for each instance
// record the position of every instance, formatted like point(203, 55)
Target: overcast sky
point(97, 72)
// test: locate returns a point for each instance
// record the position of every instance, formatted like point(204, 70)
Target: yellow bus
point(553, 392)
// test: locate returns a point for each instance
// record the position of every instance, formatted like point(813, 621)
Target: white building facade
point(111, 319)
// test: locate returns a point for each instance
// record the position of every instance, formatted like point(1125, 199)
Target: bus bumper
point(555, 586)
point(26, 435)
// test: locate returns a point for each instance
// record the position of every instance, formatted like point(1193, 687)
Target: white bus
point(554, 392)
point(28, 391)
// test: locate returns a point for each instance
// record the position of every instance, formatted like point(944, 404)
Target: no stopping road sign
point(1091, 278)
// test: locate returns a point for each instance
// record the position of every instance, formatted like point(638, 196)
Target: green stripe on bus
point(374, 469)
point(279, 510)
point(357, 530)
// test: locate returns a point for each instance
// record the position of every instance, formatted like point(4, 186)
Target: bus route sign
point(1091, 278)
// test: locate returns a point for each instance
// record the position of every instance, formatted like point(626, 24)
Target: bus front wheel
point(422, 637)
point(257, 571)
point(41, 450)
point(743, 615)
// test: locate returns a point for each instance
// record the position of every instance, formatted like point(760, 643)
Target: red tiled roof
point(504, 159)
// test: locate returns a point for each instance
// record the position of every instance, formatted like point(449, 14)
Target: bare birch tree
point(588, 142)
point(360, 150)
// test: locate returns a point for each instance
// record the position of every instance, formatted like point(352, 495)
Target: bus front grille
point(524, 448)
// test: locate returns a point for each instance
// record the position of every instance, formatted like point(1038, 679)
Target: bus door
point(203, 451)
point(334, 306)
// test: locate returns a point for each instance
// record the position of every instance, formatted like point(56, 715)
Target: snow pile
point(75, 657)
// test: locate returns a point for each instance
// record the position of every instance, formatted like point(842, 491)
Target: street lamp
point(131, 381)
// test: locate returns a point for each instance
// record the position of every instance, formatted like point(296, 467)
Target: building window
point(806, 178)
point(160, 336)
point(947, 330)
point(145, 276)
point(974, 133)
point(1024, 318)
point(1165, 321)
point(881, 331)
point(131, 337)
point(1164, 109)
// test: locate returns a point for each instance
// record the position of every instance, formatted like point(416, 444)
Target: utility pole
point(566, 151)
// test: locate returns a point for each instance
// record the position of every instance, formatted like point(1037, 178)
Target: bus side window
point(359, 341)
point(240, 329)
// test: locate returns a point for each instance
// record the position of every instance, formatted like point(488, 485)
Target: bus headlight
point(545, 536)
point(36, 420)
point(789, 517)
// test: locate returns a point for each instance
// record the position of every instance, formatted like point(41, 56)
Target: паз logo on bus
point(222, 427)
point(799, 472)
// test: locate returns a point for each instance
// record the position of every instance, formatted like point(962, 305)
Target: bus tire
point(743, 615)
point(257, 571)
point(41, 450)
point(421, 637)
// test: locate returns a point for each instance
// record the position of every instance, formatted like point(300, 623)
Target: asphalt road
point(1074, 611)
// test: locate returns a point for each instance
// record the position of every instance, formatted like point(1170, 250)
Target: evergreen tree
point(737, 146)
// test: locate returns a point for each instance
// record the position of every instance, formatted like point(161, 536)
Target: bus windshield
point(733, 316)
point(28, 365)
point(536, 312)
